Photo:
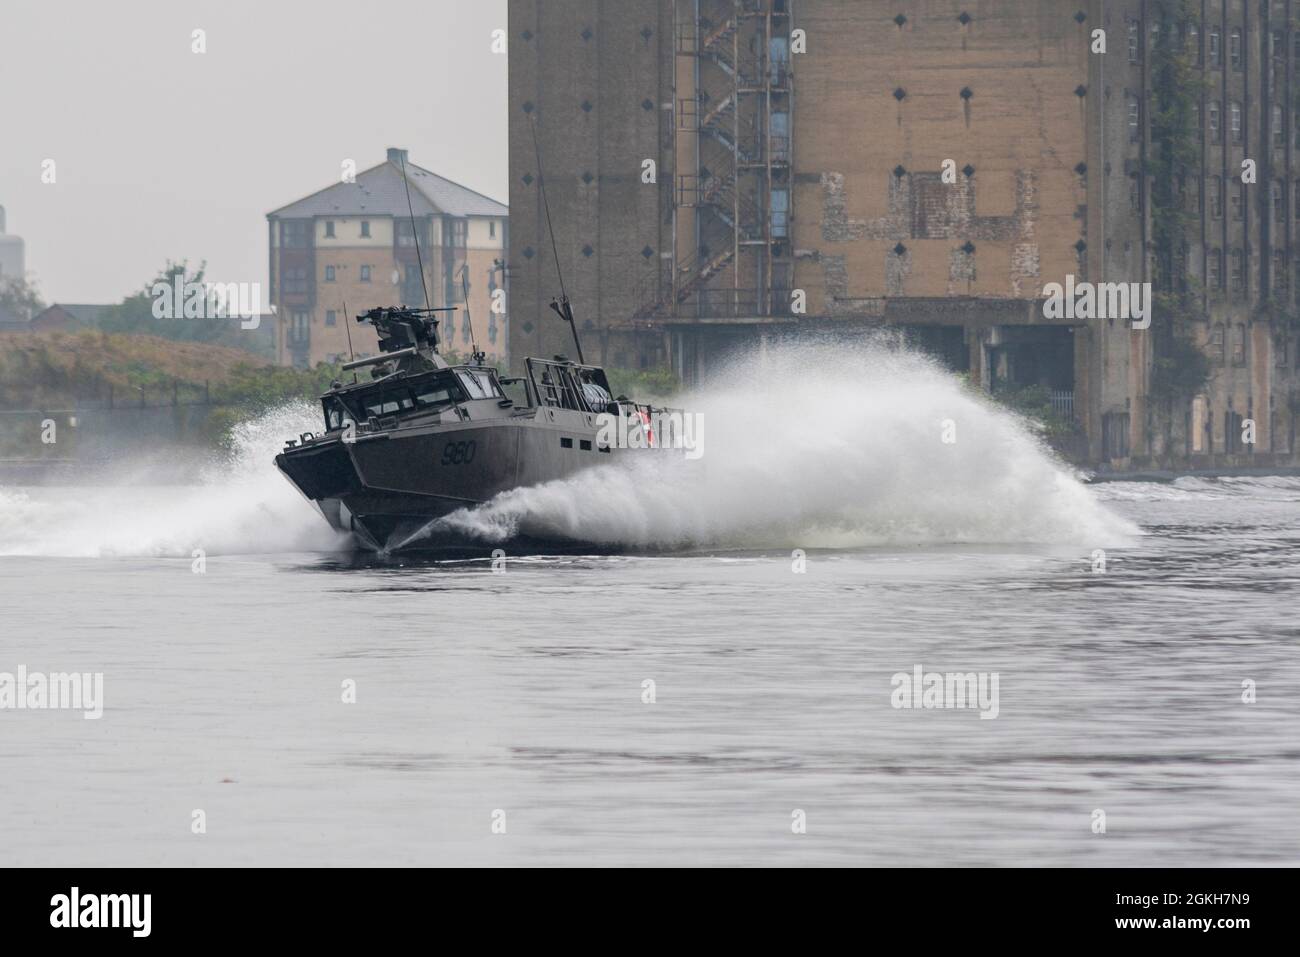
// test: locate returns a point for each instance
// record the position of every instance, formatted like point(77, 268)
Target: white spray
point(244, 505)
point(822, 447)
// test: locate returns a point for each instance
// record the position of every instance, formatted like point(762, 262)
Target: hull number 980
point(458, 453)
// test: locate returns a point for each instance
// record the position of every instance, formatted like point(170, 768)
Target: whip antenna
point(469, 321)
point(561, 307)
point(401, 158)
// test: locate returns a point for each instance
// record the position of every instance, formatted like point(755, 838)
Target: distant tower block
point(12, 263)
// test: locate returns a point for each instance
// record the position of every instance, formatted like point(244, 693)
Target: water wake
point(243, 505)
point(812, 448)
point(819, 447)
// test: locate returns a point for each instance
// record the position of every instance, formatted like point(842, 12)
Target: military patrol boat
point(423, 438)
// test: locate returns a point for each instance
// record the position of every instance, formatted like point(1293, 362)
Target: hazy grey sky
point(161, 152)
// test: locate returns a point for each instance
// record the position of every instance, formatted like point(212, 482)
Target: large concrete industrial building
point(724, 173)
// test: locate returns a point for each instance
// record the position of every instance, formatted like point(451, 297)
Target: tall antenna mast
point(469, 321)
point(401, 159)
point(347, 327)
point(561, 307)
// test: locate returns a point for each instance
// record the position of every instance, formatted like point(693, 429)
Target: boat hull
point(389, 487)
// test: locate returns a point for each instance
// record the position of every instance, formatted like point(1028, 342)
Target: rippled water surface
point(522, 692)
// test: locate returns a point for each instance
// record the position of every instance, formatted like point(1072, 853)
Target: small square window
point(365, 274)
point(365, 229)
point(566, 443)
point(584, 444)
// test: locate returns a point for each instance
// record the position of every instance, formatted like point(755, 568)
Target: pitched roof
point(379, 190)
point(83, 312)
point(452, 198)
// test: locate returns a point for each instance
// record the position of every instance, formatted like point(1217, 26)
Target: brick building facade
point(800, 146)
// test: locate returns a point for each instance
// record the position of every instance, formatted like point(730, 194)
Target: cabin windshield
point(479, 384)
point(337, 415)
point(438, 390)
point(387, 402)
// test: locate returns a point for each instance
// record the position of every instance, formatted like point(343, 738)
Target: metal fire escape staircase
point(731, 110)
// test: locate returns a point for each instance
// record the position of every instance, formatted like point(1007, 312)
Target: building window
point(1134, 41)
point(1234, 121)
point(1279, 201)
point(406, 235)
point(1134, 119)
point(329, 273)
point(1234, 48)
point(780, 207)
point(1239, 344)
point(365, 229)
point(365, 274)
point(1279, 271)
point(492, 229)
point(329, 229)
point(1215, 185)
point(293, 280)
point(1216, 132)
point(1279, 131)
point(1216, 47)
point(1214, 264)
point(1237, 190)
point(1192, 41)
point(1155, 34)
point(294, 234)
point(331, 318)
point(1276, 45)
point(299, 328)
point(1237, 277)
point(1218, 344)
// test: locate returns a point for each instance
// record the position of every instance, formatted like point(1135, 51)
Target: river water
point(722, 697)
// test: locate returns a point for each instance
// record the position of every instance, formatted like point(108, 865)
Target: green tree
point(135, 313)
point(20, 297)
